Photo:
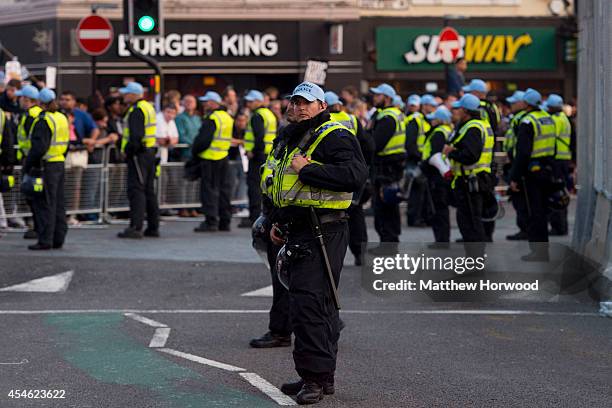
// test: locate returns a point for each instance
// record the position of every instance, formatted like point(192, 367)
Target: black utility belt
point(327, 221)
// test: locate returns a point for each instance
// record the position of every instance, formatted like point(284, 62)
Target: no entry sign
point(94, 35)
point(449, 45)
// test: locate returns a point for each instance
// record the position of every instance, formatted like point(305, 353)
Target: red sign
point(449, 44)
point(94, 34)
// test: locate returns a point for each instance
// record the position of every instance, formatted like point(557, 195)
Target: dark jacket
point(41, 139)
point(7, 158)
point(469, 148)
point(137, 132)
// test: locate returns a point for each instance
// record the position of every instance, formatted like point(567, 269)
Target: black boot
point(206, 228)
point(519, 236)
point(270, 340)
point(294, 387)
point(130, 233)
point(39, 247)
point(311, 393)
point(151, 233)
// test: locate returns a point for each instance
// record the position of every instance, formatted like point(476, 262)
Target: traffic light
point(144, 18)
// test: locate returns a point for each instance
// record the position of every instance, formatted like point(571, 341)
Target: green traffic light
point(146, 23)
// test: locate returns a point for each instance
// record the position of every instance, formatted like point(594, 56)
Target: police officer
point(358, 233)
point(489, 111)
point(279, 326)
point(563, 158)
point(519, 202)
point(7, 153)
point(439, 187)
point(389, 135)
point(138, 145)
point(29, 103)
point(258, 138)
point(318, 170)
point(50, 135)
point(470, 150)
point(211, 146)
point(418, 211)
point(532, 170)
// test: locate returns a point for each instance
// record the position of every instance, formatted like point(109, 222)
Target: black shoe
point(206, 228)
point(295, 387)
point(341, 325)
point(30, 234)
point(270, 340)
point(151, 233)
point(519, 236)
point(130, 234)
point(39, 247)
point(58, 246)
point(245, 223)
point(225, 227)
point(311, 393)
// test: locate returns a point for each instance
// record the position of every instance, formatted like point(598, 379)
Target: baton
point(316, 226)
point(138, 170)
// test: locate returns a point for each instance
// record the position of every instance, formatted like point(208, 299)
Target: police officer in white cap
point(211, 146)
point(313, 177)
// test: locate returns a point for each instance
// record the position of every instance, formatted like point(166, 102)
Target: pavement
point(164, 323)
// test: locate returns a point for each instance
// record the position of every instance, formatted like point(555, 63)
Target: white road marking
point(268, 389)
point(242, 311)
point(145, 320)
point(160, 337)
point(48, 284)
point(263, 292)
point(201, 360)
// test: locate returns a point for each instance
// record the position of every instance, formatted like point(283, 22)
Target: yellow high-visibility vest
point(563, 127)
point(23, 135)
point(486, 156)
point(2, 122)
point(545, 133)
point(444, 129)
point(287, 189)
point(150, 124)
point(422, 125)
point(397, 142)
point(60, 135)
point(222, 139)
point(510, 136)
point(270, 126)
point(345, 119)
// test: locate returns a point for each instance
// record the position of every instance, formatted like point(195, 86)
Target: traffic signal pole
point(151, 62)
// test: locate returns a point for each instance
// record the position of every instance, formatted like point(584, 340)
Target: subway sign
point(485, 49)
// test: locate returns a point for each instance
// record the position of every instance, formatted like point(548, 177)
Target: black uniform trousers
point(558, 218)
point(439, 189)
point(387, 220)
point(141, 193)
point(358, 232)
point(469, 212)
point(215, 191)
point(254, 187)
point(279, 312)
point(519, 203)
point(49, 208)
point(538, 186)
point(314, 318)
point(418, 210)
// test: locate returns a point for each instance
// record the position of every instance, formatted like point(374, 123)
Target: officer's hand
point(299, 162)
point(447, 149)
point(275, 236)
point(250, 155)
point(514, 186)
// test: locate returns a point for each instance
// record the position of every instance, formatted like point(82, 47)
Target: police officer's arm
point(366, 143)
point(412, 135)
point(204, 137)
point(7, 159)
point(344, 168)
point(259, 131)
point(469, 148)
point(41, 139)
point(573, 143)
point(27, 124)
point(382, 131)
point(493, 113)
point(524, 145)
point(137, 132)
